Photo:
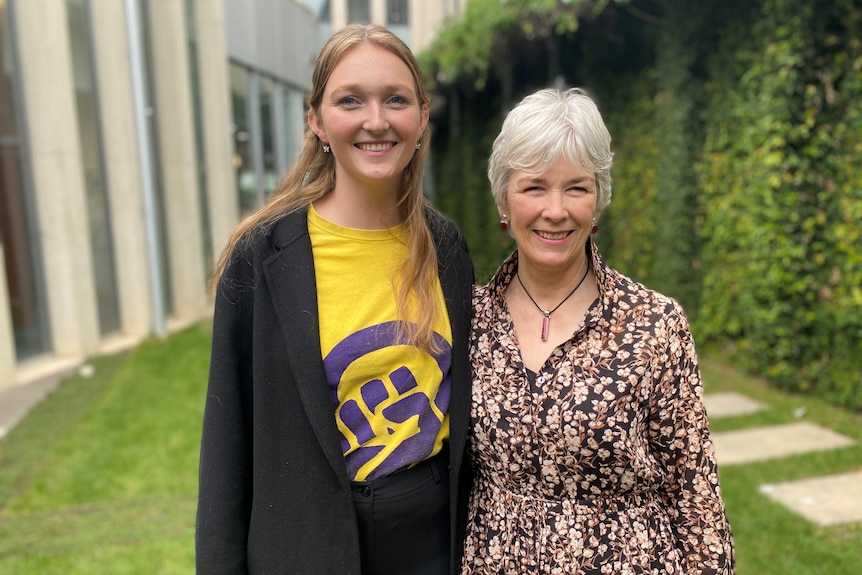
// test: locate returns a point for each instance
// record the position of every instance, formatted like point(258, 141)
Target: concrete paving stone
point(775, 441)
point(826, 501)
point(730, 404)
point(16, 402)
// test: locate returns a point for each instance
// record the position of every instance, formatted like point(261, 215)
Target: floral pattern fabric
point(603, 465)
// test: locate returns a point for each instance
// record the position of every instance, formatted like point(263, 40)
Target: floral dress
point(600, 463)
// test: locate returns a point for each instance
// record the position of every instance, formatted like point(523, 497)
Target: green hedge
point(782, 191)
point(737, 130)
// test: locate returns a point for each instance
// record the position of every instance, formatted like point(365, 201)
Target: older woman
point(589, 440)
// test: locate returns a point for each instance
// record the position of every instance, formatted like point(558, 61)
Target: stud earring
point(504, 222)
point(326, 148)
point(418, 146)
point(595, 227)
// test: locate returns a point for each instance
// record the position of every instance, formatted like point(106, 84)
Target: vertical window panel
point(242, 158)
point(101, 240)
point(358, 11)
point(396, 12)
point(24, 279)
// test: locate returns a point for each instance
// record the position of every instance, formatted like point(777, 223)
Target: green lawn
point(771, 540)
point(101, 476)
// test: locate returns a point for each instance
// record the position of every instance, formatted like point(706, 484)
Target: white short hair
point(548, 125)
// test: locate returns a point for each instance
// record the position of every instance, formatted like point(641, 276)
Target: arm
point(224, 498)
point(679, 436)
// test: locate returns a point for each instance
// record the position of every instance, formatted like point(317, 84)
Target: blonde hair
point(313, 176)
point(549, 125)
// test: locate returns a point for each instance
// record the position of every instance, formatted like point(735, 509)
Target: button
point(365, 491)
point(540, 379)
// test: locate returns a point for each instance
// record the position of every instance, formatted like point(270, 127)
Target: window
point(200, 150)
point(358, 11)
point(267, 135)
point(396, 12)
point(24, 281)
point(101, 240)
point(242, 160)
point(324, 12)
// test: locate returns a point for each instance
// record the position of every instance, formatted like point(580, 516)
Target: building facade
point(134, 136)
point(415, 21)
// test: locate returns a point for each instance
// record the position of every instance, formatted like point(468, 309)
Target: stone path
point(730, 404)
point(774, 441)
point(825, 501)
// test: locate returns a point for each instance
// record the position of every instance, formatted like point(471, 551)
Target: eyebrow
point(364, 88)
point(542, 181)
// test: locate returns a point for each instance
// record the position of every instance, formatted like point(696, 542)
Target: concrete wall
point(216, 115)
point(55, 158)
point(276, 37)
point(425, 18)
point(122, 166)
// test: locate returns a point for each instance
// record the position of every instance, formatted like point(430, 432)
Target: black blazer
point(274, 495)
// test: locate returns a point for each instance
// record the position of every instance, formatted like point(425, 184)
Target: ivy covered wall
point(737, 131)
point(781, 178)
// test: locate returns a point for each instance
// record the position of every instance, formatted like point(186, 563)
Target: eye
point(398, 100)
point(349, 101)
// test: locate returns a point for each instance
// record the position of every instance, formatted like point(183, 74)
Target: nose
point(375, 119)
point(554, 209)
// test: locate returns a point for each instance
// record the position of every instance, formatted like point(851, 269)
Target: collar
point(499, 282)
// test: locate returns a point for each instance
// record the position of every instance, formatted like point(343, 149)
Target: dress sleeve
point(680, 439)
point(224, 497)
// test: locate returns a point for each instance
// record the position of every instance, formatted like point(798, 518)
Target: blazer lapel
point(290, 275)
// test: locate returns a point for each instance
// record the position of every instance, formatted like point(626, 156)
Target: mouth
point(375, 146)
point(553, 236)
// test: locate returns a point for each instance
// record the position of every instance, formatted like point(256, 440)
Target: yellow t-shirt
point(391, 400)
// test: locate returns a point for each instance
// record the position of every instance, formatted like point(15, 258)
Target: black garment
point(403, 527)
point(274, 493)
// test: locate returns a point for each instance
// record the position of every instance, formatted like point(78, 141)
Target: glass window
point(294, 123)
point(396, 12)
point(23, 277)
point(358, 11)
point(194, 80)
point(324, 12)
point(267, 135)
point(101, 242)
point(242, 160)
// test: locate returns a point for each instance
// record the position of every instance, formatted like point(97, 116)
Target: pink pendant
point(546, 325)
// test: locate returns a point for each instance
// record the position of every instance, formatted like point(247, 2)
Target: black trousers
point(404, 520)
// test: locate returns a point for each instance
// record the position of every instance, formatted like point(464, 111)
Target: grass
point(101, 477)
point(770, 539)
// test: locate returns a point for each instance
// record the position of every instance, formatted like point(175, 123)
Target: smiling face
point(550, 216)
point(371, 117)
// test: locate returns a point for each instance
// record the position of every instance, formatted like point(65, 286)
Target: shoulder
point(449, 240)
point(636, 297)
point(441, 226)
point(258, 244)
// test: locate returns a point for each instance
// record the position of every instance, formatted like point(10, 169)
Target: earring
point(504, 222)
point(326, 148)
point(595, 227)
point(418, 146)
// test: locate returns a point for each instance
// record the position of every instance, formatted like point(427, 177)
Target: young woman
point(338, 398)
